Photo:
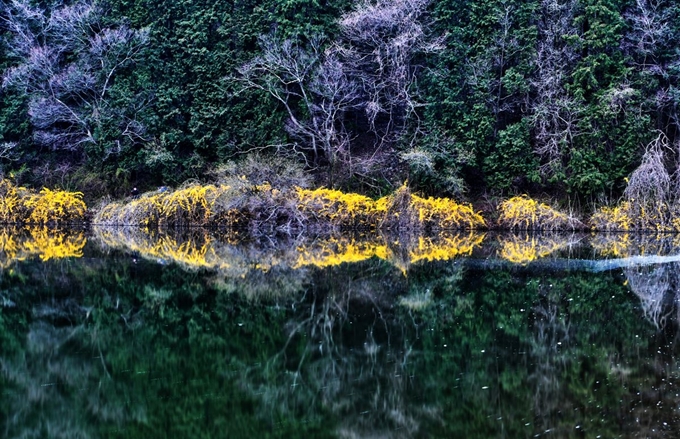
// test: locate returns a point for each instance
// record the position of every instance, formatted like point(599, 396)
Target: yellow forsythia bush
point(56, 207)
point(657, 216)
point(21, 205)
point(524, 213)
point(242, 202)
point(338, 208)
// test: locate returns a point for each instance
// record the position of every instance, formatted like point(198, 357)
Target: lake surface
point(120, 333)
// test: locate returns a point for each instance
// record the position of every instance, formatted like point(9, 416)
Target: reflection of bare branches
point(337, 356)
point(549, 344)
point(66, 397)
point(656, 286)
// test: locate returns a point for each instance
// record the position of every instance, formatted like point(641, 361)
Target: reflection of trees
point(657, 287)
point(59, 387)
point(347, 354)
point(551, 354)
point(622, 245)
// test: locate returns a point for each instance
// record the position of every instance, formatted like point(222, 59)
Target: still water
point(122, 333)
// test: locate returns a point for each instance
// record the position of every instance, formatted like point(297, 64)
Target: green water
point(118, 341)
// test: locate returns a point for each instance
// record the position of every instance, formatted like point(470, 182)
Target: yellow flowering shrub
point(628, 215)
point(56, 207)
point(524, 213)
point(615, 218)
point(445, 213)
point(20, 205)
point(192, 205)
point(339, 208)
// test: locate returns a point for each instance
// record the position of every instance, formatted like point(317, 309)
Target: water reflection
point(226, 252)
point(213, 335)
point(524, 247)
point(18, 244)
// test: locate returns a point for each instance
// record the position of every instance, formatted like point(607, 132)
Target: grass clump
point(524, 213)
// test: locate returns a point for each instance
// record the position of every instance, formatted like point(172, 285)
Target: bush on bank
point(261, 207)
point(19, 205)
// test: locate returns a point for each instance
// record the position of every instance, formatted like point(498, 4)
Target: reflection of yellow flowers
point(338, 251)
point(624, 245)
point(202, 250)
point(446, 248)
point(522, 250)
point(16, 245)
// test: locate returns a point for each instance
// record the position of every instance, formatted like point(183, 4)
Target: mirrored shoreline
point(122, 333)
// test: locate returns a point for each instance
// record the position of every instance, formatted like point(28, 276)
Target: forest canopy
point(461, 98)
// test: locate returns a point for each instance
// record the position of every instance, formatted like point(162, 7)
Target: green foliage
point(512, 164)
point(477, 131)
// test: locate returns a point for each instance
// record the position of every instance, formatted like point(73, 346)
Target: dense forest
point(565, 98)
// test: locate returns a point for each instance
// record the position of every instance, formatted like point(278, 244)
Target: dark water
point(126, 334)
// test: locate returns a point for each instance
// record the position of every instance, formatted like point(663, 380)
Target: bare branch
point(68, 61)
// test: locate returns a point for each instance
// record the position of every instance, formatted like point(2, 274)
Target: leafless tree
point(651, 44)
point(556, 112)
point(650, 31)
point(379, 42)
point(368, 71)
point(67, 62)
point(650, 182)
point(312, 86)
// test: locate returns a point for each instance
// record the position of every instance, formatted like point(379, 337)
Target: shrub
point(260, 207)
point(339, 209)
point(57, 206)
point(19, 205)
point(524, 213)
point(405, 210)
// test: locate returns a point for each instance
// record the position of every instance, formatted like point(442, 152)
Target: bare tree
point(379, 43)
point(650, 31)
point(556, 113)
point(312, 86)
point(650, 183)
point(368, 71)
point(651, 44)
point(67, 62)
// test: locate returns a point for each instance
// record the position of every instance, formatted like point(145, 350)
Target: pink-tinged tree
point(67, 60)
